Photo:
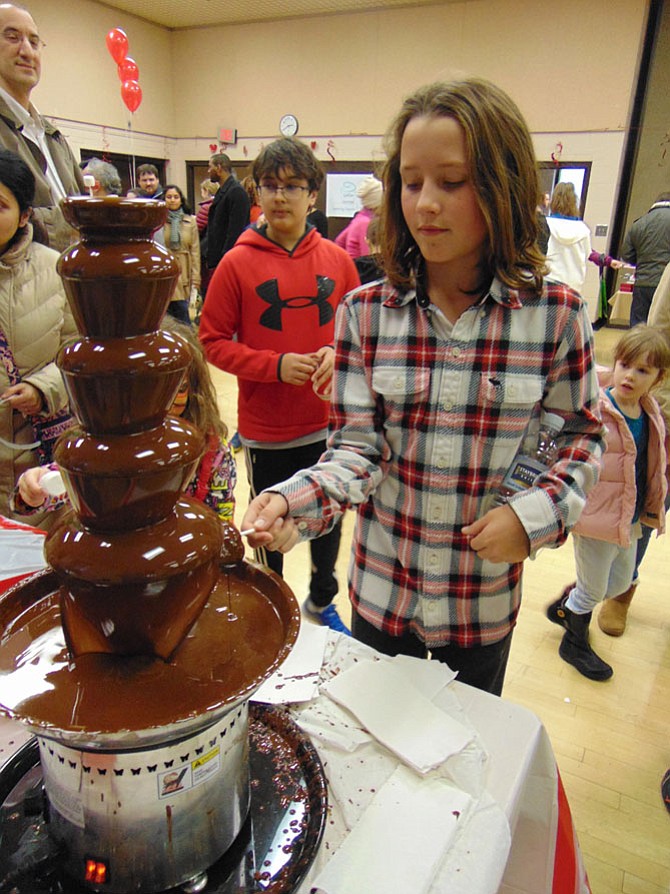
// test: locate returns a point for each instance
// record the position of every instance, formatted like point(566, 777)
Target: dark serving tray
point(272, 853)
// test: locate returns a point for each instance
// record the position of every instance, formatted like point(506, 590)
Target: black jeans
point(639, 309)
point(480, 666)
point(268, 467)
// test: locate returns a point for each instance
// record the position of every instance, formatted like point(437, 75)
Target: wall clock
point(288, 126)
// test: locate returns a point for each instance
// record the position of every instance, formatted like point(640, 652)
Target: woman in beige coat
point(35, 320)
point(183, 240)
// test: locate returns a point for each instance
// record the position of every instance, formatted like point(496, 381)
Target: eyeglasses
point(291, 192)
point(15, 38)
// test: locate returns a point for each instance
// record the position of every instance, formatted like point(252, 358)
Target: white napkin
point(297, 678)
point(400, 841)
point(397, 714)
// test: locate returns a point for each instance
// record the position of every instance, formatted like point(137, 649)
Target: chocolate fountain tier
point(112, 703)
point(136, 592)
point(118, 482)
point(116, 385)
point(117, 280)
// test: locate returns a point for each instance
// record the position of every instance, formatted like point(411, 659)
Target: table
point(521, 778)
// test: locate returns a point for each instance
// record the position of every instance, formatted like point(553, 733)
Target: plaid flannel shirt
point(425, 421)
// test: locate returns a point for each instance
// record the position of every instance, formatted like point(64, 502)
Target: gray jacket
point(647, 245)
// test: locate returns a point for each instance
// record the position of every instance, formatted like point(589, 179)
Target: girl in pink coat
point(630, 491)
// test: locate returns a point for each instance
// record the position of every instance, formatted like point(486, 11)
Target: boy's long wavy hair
point(503, 172)
point(202, 407)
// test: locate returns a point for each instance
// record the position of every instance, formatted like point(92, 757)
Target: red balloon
point(117, 44)
point(131, 93)
point(128, 70)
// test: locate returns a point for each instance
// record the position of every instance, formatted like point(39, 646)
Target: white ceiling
point(196, 13)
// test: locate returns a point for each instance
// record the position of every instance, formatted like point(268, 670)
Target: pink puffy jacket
point(610, 505)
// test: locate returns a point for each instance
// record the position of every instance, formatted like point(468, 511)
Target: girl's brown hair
point(647, 343)
point(503, 173)
point(202, 407)
point(564, 200)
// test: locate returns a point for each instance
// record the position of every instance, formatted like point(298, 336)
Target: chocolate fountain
point(133, 660)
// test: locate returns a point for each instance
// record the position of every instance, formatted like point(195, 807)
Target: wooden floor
point(612, 740)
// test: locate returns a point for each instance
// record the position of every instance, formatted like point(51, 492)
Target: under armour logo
point(272, 317)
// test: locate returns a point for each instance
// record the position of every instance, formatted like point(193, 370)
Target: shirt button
point(456, 352)
point(302, 526)
point(448, 405)
point(437, 513)
point(433, 560)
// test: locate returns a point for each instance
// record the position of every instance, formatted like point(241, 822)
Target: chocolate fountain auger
point(134, 659)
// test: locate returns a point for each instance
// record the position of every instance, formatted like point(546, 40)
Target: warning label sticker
point(188, 776)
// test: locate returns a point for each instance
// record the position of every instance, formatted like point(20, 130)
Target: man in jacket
point(647, 247)
point(24, 131)
point(229, 212)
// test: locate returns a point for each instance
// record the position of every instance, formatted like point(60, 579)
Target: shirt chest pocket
point(510, 390)
point(404, 393)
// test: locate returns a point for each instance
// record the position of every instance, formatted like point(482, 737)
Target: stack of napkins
point(398, 714)
point(399, 843)
point(297, 678)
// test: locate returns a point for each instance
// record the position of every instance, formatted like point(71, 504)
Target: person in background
point(352, 237)
point(35, 321)
point(180, 235)
point(214, 480)
point(149, 184)
point(269, 320)
point(631, 492)
point(613, 614)
point(369, 266)
point(208, 190)
point(229, 213)
point(318, 220)
point(107, 180)
point(647, 247)
point(439, 370)
point(255, 210)
point(26, 133)
point(569, 239)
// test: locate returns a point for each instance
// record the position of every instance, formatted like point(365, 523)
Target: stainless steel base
point(152, 819)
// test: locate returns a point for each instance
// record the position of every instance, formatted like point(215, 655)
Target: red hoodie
point(273, 301)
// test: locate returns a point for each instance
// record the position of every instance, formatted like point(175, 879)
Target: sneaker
point(328, 616)
point(235, 443)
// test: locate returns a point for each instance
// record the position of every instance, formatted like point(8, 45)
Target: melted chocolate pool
point(243, 632)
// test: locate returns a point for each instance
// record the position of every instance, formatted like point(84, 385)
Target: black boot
point(575, 648)
point(555, 611)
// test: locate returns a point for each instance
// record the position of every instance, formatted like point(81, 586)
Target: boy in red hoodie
point(269, 319)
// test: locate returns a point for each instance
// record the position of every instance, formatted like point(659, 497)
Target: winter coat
point(569, 247)
point(188, 256)
point(60, 233)
point(610, 506)
point(36, 320)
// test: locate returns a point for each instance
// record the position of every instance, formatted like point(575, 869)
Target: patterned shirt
point(425, 421)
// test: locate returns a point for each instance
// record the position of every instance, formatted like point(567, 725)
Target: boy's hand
point(499, 536)
point(322, 379)
point(29, 486)
point(297, 369)
point(267, 516)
